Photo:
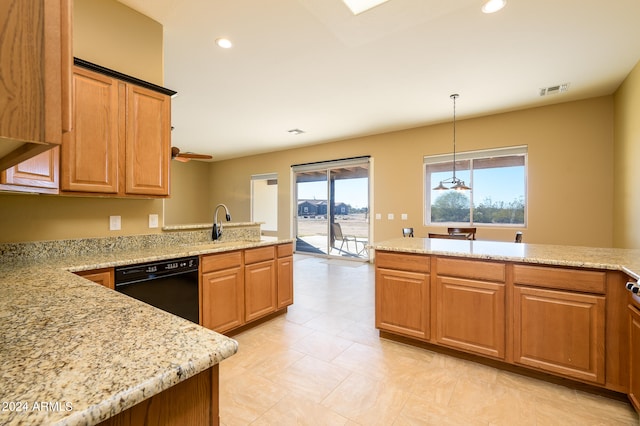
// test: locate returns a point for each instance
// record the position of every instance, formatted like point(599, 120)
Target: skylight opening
point(359, 6)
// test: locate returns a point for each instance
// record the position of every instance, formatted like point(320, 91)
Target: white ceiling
point(313, 65)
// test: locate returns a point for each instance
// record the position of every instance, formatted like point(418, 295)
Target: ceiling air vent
point(552, 90)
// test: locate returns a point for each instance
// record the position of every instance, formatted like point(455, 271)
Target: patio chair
point(345, 239)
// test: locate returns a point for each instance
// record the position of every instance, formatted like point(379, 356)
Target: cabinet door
point(285, 281)
point(634, 359)
point(402, 302)
point(471, 315)
point(560, 332)
point(223, 299)
point(37, 174)
point(148, 140)
point(100, 276)
point(89, 159)
point(34, 69)
point(260, 289)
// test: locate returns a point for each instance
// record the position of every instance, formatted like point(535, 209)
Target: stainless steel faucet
point(217, 226)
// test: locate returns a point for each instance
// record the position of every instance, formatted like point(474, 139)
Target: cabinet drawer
point(403, 261)
point(560, 278)
point(472, 269)
point(259, 254)
point(285, 250)
point(218, 262)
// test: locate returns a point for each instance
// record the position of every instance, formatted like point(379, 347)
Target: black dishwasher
point(170, 285)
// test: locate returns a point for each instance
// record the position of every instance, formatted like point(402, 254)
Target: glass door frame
point(351, 247)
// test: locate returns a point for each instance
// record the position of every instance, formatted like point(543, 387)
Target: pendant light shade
point(456, 184)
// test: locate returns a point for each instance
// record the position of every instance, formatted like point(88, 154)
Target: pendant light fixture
point(456, 183)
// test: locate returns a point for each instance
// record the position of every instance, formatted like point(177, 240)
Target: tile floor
point(323, 363)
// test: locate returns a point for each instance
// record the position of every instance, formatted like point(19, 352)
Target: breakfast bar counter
point(564, 311)
point(625, 260)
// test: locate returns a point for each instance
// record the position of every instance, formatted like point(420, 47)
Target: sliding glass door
point(332, 215)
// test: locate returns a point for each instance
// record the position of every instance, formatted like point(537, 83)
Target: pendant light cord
point(454, 97)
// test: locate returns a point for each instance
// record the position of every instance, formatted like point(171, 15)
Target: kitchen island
point(558, 310)
point(76, 353)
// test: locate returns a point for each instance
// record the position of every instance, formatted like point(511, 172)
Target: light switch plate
point(403, 216)
point(390, 216)
point(115, 223)
point(378, 216)
point(153, 221)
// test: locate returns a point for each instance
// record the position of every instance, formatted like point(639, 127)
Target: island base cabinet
point(194, 402)
point(402, 301)
point(260, 289)
point(223, 299)
point(560, 332)
point(285, 282)
point(471, 315)
point(634, 376)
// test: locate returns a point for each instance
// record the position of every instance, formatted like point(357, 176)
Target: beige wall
point(115, 36)
point(112, 35)
point(190, 200)
point(570, 176)
point(626, 206)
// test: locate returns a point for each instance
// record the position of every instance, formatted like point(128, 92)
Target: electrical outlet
point(153, 221)
point(115, 223)
point(390, 216)
point(403, 216)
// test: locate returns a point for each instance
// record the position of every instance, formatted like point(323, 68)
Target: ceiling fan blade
point(191, 155)
point(186, 156)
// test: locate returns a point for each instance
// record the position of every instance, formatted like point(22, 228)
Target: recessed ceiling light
point(359, 6)
point(224, 43)
point(491, 6)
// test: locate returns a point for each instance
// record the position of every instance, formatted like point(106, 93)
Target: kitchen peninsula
point(560, 310)
point(74, 352)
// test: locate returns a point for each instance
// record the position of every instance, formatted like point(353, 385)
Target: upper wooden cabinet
point(90, 152)
point(121, 138)
point(38, 174)
point(148, 141)
point(35, 70)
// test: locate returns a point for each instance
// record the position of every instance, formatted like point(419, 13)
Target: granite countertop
point(625, 260)
point(74, 352)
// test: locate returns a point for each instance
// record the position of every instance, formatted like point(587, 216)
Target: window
point(498, 181)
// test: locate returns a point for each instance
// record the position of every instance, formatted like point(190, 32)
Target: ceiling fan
point(187, 156)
